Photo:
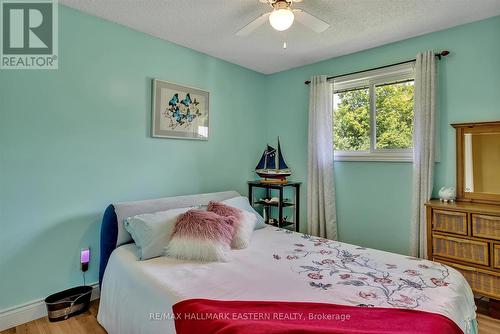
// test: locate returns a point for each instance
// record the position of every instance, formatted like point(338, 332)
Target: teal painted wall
point(77, 138)
point(374, 198)
point(74, 139)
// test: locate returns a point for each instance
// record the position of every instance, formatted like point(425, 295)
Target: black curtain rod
point(439, 55)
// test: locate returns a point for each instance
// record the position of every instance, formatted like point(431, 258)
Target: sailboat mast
point(276, 158)
point(265, 159)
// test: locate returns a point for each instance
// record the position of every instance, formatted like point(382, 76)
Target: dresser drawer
point(485, 226)
point(449, 221)
point(480, 281)
point(496, 256)
point(461, 249)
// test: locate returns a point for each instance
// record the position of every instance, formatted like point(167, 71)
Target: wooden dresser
point(466, 236)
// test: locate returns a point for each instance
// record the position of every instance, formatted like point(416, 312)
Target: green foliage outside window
point(351, 121)
point(394, 118)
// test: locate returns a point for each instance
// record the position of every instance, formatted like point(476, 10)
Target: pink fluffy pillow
point(246, 222)
point(224, 210)
point(202, 236)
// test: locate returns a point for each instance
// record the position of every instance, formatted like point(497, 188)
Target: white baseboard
point(27, 312)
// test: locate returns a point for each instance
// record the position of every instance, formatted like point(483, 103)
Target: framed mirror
point(478, 162)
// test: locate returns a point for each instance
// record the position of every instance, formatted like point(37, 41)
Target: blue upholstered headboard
point(109, 235)
point(109, 226)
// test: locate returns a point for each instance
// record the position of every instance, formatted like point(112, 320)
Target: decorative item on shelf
point(270, 201)
point(272, 166)
point(273, 221)
point(447, 194)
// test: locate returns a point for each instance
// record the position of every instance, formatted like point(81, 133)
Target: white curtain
point(424, 146)
point(321, 213)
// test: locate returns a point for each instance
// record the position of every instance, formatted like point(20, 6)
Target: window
point(373, 115)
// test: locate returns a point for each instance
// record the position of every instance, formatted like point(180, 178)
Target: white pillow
point(152, 231)
point(244, 230)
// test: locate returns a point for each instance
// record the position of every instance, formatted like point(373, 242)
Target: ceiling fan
point(282, 16)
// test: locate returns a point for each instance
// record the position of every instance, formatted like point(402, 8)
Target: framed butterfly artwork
point(179, 111)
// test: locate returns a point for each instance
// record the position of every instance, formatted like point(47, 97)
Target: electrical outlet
point(84, 259)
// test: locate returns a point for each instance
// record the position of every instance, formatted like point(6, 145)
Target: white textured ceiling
point(209, 26)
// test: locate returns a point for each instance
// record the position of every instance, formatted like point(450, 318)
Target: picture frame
point(179, 111)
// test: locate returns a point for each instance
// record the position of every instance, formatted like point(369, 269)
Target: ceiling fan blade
point(310, 21)
point(249, 28)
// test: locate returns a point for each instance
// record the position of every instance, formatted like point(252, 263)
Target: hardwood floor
point(487, 325)
point(81, 324)
point(87, 323)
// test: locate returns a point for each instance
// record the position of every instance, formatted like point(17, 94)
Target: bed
point(279, 266)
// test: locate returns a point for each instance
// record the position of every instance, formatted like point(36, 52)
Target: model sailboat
point(272, 166)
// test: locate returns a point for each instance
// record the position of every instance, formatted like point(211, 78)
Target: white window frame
point(393, 74)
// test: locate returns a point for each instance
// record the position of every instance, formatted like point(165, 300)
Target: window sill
point(377, 156)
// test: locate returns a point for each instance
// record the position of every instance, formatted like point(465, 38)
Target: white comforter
point(137, 296)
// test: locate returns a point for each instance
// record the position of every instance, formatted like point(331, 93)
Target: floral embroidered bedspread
point(370, 278)
point(284, 266)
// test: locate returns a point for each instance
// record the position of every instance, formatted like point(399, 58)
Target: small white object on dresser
point(447, 194)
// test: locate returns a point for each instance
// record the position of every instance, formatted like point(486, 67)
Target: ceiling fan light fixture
point(281, 19)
